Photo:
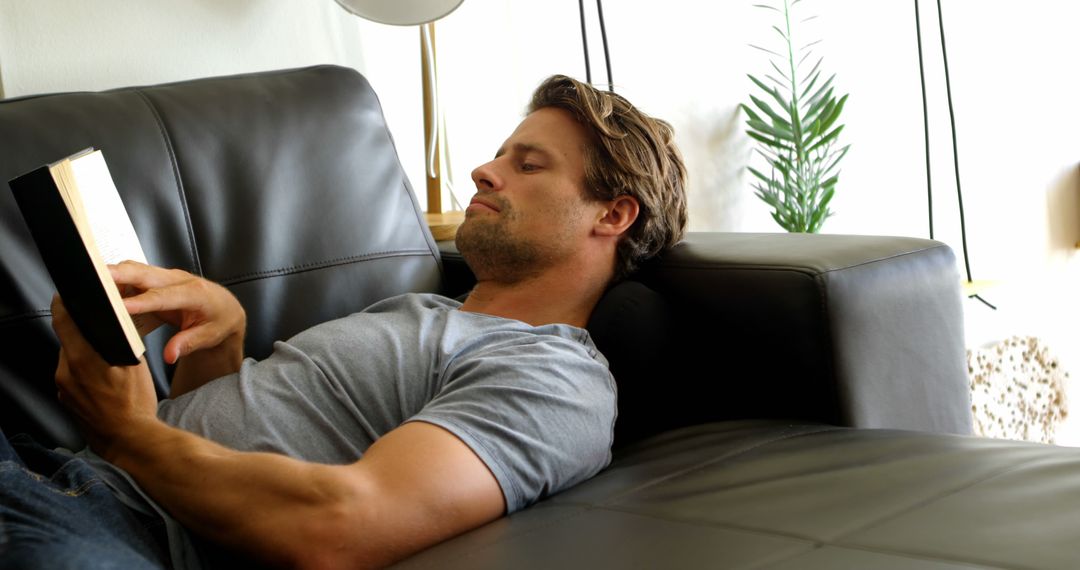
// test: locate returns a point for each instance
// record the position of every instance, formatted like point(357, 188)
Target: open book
point(79, 223)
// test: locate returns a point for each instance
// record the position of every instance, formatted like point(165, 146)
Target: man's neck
point(553, 297)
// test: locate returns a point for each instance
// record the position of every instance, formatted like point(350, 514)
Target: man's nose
point(486, 177)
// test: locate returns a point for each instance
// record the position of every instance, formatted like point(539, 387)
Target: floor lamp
point(421, 13)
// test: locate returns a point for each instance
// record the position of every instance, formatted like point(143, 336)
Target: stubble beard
point(494, 253)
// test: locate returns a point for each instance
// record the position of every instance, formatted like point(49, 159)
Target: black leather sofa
point(786, 401)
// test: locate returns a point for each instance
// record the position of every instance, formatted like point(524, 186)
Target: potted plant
point(794, 122)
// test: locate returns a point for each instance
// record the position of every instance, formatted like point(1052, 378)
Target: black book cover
point(70, 265)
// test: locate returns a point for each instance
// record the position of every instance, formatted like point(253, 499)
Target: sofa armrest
point(862, 331)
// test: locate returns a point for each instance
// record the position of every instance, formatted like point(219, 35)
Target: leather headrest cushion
point(632, 326)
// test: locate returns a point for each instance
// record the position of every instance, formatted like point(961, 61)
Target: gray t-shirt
point(536, 404)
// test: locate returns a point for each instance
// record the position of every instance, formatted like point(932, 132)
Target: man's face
point(530, 210)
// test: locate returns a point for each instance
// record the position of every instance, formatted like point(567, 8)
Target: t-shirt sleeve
point(538, 411)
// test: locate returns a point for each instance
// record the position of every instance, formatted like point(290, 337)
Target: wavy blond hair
point(631, 154)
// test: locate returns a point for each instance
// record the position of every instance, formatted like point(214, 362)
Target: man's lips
point(480, 202)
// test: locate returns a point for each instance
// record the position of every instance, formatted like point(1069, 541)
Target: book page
point(105, 214)
point(97, 208)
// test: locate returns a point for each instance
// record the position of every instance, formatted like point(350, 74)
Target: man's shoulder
point(547, 406)
point(416, 302)
point(490, 334)
point(469, 334)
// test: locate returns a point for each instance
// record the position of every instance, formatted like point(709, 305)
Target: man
point(366, 439)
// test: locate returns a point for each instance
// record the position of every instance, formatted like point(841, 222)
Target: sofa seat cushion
point(769, 494)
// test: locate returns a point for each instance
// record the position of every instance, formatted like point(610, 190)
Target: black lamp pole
point(603, 38)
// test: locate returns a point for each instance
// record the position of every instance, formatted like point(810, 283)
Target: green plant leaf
point(827, 197)
point(780, 85)
point(837, 107)
point(814, 106)
point(770, 142)
point(768, 51)
point(749, 112)
point(820, 93)
point(826, 139)
point(770, 153)
point(815, 220)
point(836, 159)
point(831, 114)
point(823, 205)
point(776, 117)
point(780, 71)
point(795, 128)
point(840, 104)
point(810, 79)
point(770, 90)
point(762, 127)
point(775, 131)
point(758, 173)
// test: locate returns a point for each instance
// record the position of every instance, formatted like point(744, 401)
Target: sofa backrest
point(195, 163)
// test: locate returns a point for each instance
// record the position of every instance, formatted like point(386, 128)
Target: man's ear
point(617, 216)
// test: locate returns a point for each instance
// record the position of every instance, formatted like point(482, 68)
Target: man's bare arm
point(416, 486)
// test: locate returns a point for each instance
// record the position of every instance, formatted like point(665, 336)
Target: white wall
point(1012, 71)
point(58, 45)
point(61, 45)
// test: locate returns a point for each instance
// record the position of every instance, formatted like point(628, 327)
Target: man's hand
point(210, 342)
point(107, 400)
point(206, 313)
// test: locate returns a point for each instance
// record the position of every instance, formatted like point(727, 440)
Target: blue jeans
point(56, 512)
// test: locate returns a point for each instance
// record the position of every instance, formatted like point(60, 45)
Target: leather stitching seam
point(304, 267)
point(176, 176)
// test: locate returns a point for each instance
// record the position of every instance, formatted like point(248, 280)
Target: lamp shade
point(401, 12)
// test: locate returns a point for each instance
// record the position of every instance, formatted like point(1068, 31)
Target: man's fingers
point(64, 379)
point(131, 273)
point(168, 298)
point(63, 373)
point(143, 276)
point(206, 313)
point(190, 340)
point(57, 307)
